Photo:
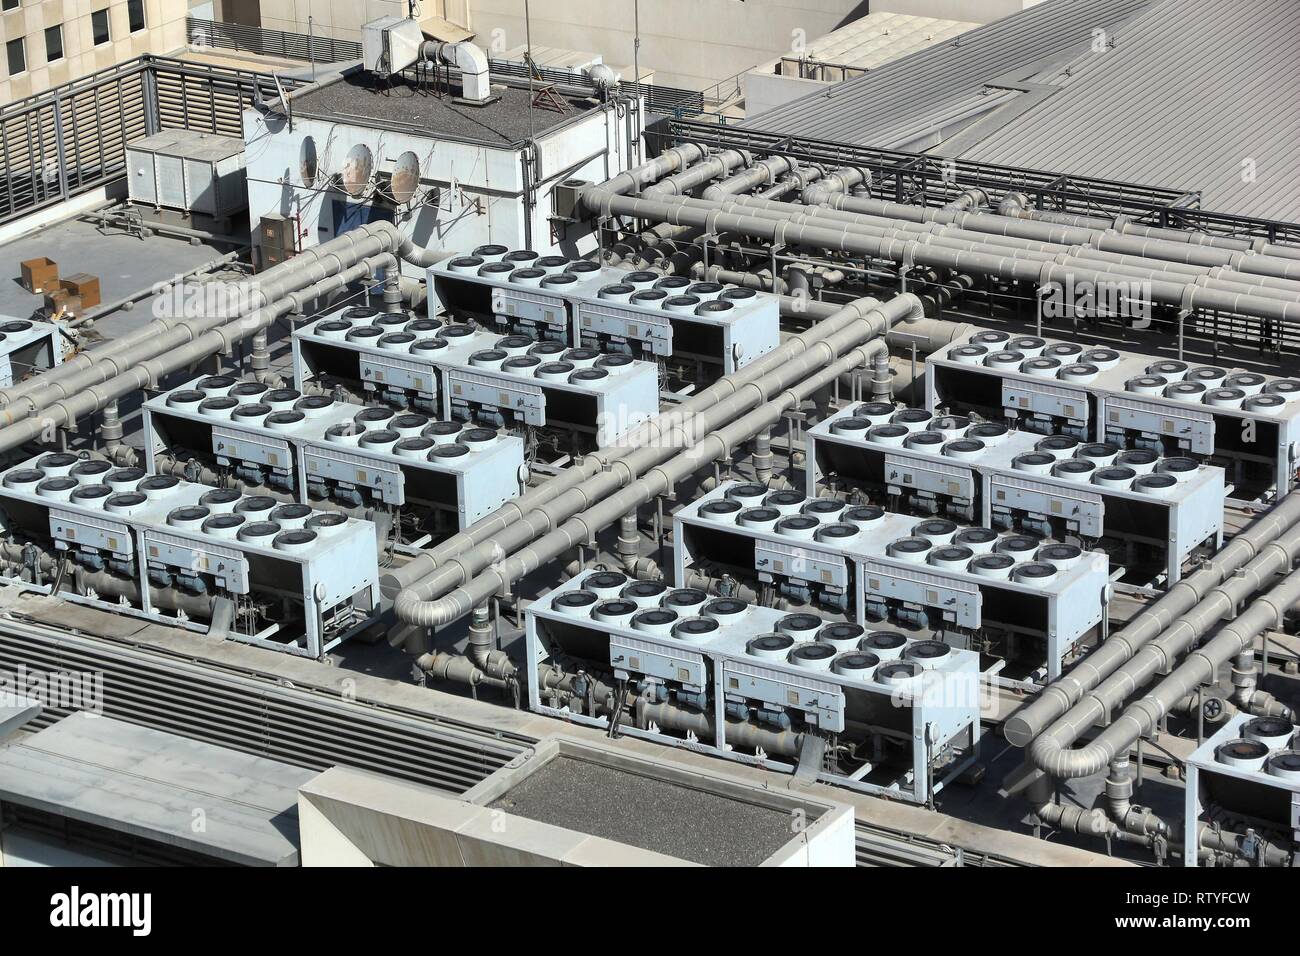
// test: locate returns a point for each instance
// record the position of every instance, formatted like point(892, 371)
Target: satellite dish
point(406, 177)
point(357, 169)
point(307, 163)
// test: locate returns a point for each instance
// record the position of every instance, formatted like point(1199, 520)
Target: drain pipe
point(1050, 751)
point(1058, 697)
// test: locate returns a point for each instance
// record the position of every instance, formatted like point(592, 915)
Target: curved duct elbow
point(472, 62)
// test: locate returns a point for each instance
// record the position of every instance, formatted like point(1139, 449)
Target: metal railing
point(658, 99)
point(72, 139)
point(292, 46)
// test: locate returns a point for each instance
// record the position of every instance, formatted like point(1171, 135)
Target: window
point(10, 4)
point(17, 56)
point(99, 26)
point(135, 14)
point(53, 43)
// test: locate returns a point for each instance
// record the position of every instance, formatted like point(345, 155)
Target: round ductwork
point(979, 540)
point(1060, 556)
point(606, 584)
point(1080, 372)
point(1007, 361)
point(911, 550)
point(616, 612)
point(802, 527)
point(687, 602)
point(1250, 383)
point(1114, 476)
point(1225, 397)
point(841, 636)
point(1104, 359)
point(935, 530)
point(1181, 468)
point(658, 621)
point(726, 610)
point(997, 566)
point(759, 519)
point(969, 354)
point(1058, 446)
point(1022, 547)
point(296, 541)
point(695, 630)
point(1272, 732)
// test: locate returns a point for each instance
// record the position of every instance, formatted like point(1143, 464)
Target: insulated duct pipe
point(1278, 267)
point(1018, 205)
point(1201, 666)
point(718, 164)
point(1050, 751)
point(162, 335)
point(472, 62)
point(1062, 694)
point(1172, 292)
point(760, 173)
point(66, 412)
point(609, 509)
point(459, 559)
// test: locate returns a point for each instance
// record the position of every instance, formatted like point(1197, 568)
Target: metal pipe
point(1050, 750)
point(1059, 696)
point(606, 508)
point(462, 556)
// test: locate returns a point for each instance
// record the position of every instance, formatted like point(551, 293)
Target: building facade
point(50, 42)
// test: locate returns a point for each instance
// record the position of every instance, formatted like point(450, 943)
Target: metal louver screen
point(262, 717)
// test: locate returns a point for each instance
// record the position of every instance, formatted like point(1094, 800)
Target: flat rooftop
point(363, 98)
point(147, 783)
point(648, 812)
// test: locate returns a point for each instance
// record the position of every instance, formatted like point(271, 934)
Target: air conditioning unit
point(390, 44)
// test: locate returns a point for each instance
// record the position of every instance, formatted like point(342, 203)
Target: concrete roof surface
point(135, 780)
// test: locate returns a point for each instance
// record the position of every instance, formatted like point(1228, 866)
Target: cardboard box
point(84, 285)
point(40, 275)
point(62, 302)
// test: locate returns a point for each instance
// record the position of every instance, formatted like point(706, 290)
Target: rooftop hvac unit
point(390, 44)
point(188, 170)
point(1245, 781)
point(761, 677)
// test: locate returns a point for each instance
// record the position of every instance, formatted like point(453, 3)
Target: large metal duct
point(464, 556)
point(659, 480)
point(1175, 291)
point(1050, 751)
point(1058, 697)
point(65, 412)
point(163, 336)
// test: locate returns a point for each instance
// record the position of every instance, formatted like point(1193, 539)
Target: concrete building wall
point(342, 19)
point(688, 43)
point(976, 11)
point(164, 32)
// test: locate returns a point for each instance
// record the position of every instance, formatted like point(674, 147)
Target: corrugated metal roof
point(867, 109)
point(1191, 91)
